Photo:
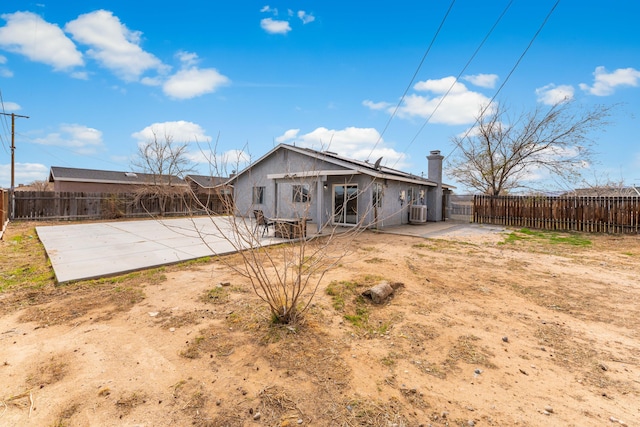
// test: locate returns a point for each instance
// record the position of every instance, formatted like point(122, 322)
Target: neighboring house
point(213, 192)
point(325, 188)
point(101, 181)
point(204, 184)
point(609, 191)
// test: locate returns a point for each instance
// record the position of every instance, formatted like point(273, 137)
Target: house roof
point(351, 165)
point(206, 181)
point(606, 191)
point(58, 173)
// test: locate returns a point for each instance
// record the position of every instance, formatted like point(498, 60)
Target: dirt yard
point(521, 328)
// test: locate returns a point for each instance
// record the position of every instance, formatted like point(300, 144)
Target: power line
point(5, 125)
point(458, 76)
point(415, 74)
point(508, 75)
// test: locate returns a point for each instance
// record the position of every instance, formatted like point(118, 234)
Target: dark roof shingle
point(58, 173)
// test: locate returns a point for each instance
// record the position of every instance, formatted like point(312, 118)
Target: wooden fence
point(461, 207)
point(50, 205)
point(589, 214)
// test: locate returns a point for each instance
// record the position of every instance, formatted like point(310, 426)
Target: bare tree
point(603, 185)
point(164, 162)
point(285, 276)
point(502, 151)
point(40, 185)
point(285, 260)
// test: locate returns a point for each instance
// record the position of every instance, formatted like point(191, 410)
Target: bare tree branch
point(164, 162)
point(504, 150)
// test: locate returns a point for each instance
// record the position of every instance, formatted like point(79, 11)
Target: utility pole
point(13, 161)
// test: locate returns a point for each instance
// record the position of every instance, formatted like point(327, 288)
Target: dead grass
point(127, 402)
point(49, 372)
point(352, 363)
point(467, 349)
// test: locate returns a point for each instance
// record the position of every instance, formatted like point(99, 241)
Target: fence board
point(50, 205)
point(616, 214)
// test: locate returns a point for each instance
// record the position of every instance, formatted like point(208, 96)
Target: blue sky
point(95, 77)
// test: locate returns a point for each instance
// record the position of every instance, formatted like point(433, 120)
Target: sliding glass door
point(345, 204)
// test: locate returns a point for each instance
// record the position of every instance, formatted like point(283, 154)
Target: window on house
point(300, 193)
point(258, 195)
point(377, 194)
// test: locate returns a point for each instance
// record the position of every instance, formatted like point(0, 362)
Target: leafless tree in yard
point(40, 185)
point(502, 151)
point(603, 185)
point(285, 276)
point(164, 162)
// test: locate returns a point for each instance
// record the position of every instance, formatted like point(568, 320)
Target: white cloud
point(273, 26)
point(352, 142)
point(190, 81)
point(460, 106)
point(80, 75)
point(220, 163)
point(482, 80)
point(441, 86)
point(82, 139)
point(152, 81)
point(605, 83)
point(289, 135)
point(187, 58)
point(552, 94)
point(4, 71)
point(113, 45)
point(376, 105)
point(305, 17)
point(269, 9)
point(28, 34)
point(11, 106)
point(25, 173)
point(179, 131)
point(193, 82)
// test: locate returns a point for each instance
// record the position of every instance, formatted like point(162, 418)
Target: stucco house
point(328, 189)
point(102, 181)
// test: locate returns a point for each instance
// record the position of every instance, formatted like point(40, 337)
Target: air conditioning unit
point(417, 214)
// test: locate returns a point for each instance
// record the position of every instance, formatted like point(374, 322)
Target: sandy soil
point(529, 332)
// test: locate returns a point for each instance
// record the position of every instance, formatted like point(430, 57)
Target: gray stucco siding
point(319, 174)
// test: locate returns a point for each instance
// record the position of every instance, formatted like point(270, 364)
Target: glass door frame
point(346, 200)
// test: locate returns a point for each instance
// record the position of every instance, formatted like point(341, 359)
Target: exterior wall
point(278, 192)
point(280, 162)
point(286, 207)
point(398, 196)
point(92, 187)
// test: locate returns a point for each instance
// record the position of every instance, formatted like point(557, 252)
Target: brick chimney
point(434, 195)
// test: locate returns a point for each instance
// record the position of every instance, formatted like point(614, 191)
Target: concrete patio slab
point(92, 250)
point(86, 251)
point(445, 229)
